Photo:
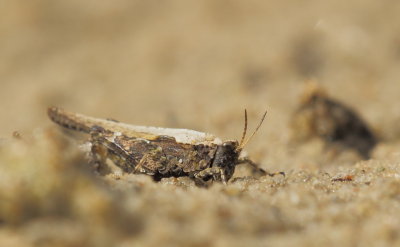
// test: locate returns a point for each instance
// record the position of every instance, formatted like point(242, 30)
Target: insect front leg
point(216, 172)
point(257, 168)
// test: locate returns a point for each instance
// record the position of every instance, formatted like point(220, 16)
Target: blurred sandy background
point(199, 64)
point(196, 64)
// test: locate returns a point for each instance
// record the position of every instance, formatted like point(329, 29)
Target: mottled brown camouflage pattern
point(160, 156)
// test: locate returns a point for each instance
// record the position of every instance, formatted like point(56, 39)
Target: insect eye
point(227, 144)
point(230, 143)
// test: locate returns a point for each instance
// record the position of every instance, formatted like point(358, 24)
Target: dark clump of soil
point(337, 124)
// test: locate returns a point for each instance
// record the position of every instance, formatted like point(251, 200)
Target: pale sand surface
point(198, 65)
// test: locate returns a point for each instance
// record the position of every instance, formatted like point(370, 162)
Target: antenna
point(244, 143)
point(245, 128)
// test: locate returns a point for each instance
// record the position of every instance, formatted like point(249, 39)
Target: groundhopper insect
point(159, 152)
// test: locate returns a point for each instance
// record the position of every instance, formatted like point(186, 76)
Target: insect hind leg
point(98, 152)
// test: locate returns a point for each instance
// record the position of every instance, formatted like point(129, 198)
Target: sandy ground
point(198, 65)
